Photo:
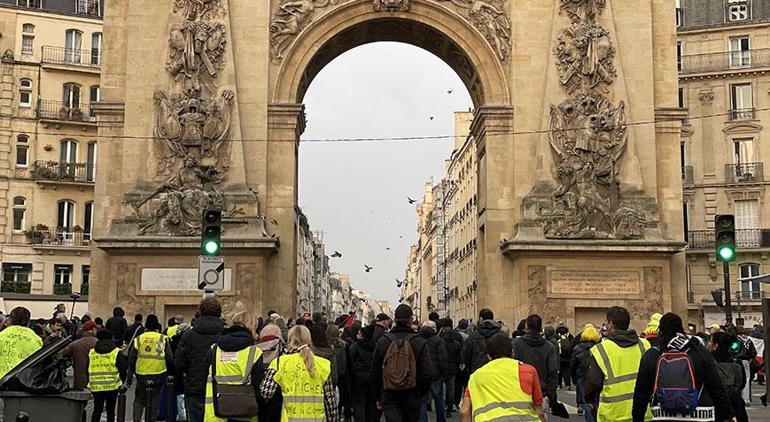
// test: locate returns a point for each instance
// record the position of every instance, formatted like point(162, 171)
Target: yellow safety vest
point(16, 344)
point(303, 395)
point(496, 393)
point(232, 368)
point(620, 366)
point(150, 353)
point(171, 332)
point(102, 372)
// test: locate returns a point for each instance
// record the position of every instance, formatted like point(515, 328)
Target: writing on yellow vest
point(619, 366)
point(16, 344)
point(103, 374)
point(303, 395)
point(496, 393)
point(233, 368)
point(150, 353)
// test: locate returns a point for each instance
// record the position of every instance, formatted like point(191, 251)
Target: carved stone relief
point(196, 54)
point(706, 96)
point(194, 9)
point(391, 5)
point(588, 136)
point(290, 19)
point(489, 18)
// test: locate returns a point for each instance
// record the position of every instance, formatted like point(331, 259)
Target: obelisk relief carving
point(191, 125)
point(588, 136)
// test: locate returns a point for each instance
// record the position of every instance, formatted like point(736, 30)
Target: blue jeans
point(582, 401)
point(437, 394)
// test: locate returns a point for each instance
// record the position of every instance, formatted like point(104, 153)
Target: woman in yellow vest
point(17, 342)
point(503, 389)
point(234, 359)
point(303, 379)
point(150, 358)
point(106, 374)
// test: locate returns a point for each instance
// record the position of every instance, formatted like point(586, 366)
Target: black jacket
point(131, 330)
point(581, 360)
point(361, 355)
point(706, 377)
point(593, 382)
point(191, 352)
point(535, 350)
point(474, 354)
point(119, 327)
point(738, 405)
point(235, 339)
point(379, 330)
point(425, 367)
point(121, 362)
point(437, 351)
point(454, 348)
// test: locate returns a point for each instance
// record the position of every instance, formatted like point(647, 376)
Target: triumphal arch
point(576, 123)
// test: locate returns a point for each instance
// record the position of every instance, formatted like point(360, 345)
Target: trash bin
point(64, 407)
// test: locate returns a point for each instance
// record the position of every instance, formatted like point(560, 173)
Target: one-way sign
point(211, 273)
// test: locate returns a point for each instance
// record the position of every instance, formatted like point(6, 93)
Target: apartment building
point(723, 54)
point(50, 77)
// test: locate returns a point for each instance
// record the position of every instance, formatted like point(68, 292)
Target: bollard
point(22, 417)
point(149, 414)
point(121, 410)
point(170, 399)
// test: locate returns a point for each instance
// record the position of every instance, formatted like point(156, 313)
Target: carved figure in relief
point(194, 9)
point(291, 18)
point(585, 55)
point(391, 5)
point(489, 17)
point(196, 53)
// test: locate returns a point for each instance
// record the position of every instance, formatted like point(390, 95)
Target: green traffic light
point(211, 247)
point(727, 254)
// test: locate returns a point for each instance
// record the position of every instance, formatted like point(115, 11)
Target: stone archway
point(437, 27)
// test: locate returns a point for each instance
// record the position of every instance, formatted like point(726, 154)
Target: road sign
point(211, 273)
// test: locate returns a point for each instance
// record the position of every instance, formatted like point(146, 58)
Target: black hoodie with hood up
point(535, 350)
point(190, 356)
point(475, 348)
point(437, 351)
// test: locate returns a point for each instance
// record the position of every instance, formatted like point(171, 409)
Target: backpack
point(675, 391)
point(730, 373)
point(399, 368)
point(563, 346)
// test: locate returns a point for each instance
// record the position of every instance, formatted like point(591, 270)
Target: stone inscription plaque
point(175, 279)
point(595, 283)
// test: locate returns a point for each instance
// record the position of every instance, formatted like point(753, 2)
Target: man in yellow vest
point(503, 389)
point(150, 359)
point(612, 373)
point(106, 373)
point(17, 342)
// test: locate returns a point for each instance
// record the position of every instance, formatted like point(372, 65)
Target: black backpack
point(731, 375)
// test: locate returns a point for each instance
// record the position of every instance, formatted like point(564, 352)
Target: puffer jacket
point(474, 354)
point(437, 350)
point(191, 353)
point(454, 347)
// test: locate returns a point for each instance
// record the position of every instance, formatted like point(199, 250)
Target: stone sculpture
point(489, 18)
point(588, 136)
point(197, 9)
point(291, 18)
point(391, 5)
point(196, 53)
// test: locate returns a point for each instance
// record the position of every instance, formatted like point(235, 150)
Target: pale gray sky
point(356, 193)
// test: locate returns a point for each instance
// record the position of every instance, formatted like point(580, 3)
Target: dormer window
point(737, 10)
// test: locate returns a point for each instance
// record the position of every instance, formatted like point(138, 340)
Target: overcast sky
point(356, 192)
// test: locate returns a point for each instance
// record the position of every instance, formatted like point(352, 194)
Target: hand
point(379, 405)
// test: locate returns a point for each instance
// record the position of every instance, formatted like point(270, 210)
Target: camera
point(75, 295)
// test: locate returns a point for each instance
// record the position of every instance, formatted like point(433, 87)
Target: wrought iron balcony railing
point(63, 172)
point(724, 61)
point(72, 57)
point(744, 239)
point(56, 110)
point(687, 175)
point(58, 237)
point(744, 173)
point(743, 114)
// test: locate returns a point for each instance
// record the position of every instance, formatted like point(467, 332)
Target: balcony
point(23, 287)
point(91, 59)
point(724, 61)
point(744, 173)
point(687, 175)
point(55, 171)
point(62, 112)
point(43, 236)
point(743, 114)
point(62, 289)
point(744, 239)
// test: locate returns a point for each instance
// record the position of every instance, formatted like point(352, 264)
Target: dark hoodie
point(437, 350)
point(191, 352)
point(594, 379)
point(535, 350)
point(361, 355)
point(454, 349)
point(474, 354)
point(121, 362)
point(235, 339)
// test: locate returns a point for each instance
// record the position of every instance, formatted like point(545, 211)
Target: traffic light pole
point(728, 295)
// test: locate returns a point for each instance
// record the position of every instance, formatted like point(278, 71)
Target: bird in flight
point(450, 91)
point(431, 117)
point(387, 249)
point(411, 201)
point(336, 254)
point(398, 282)
point(367, 268)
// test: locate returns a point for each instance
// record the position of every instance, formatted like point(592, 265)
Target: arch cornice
point(483, 73)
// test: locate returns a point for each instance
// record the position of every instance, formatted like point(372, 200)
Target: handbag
point(233, 400)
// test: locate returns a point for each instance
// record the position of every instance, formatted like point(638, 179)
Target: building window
point(85, 279)
point(743, 151)
point(742, 102)
point(62, 274)
point(737, 10)
point(679, 16)
point(22, 151)
point(740, 51)
point(27, 38)
point(37, 4)
point(679, 54)
point(91, 162)
point(681, 98)
point(16, 273)
point(25, 92)
point(96, 48)
point(94, 95)
point(65, 215)
point(19, 212)
point(73, 40)
point(88, 220)
point(71, 95)
point(746, 214)
point(750, 289)
point(69, 151)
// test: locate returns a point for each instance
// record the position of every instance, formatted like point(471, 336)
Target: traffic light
point(718, 299)
point(211, 233)
point(725, 237)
